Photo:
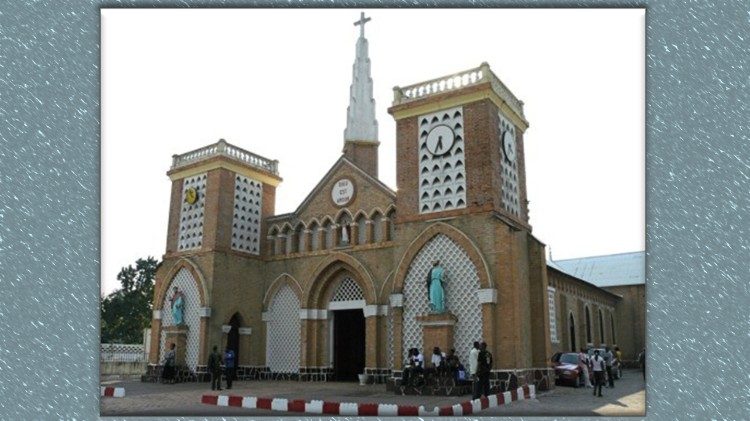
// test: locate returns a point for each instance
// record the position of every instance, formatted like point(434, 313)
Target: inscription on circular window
point(342, 192)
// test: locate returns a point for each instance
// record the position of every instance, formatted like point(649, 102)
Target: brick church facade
point(337, 287)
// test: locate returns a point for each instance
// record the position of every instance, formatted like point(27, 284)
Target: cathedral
point(337, 287)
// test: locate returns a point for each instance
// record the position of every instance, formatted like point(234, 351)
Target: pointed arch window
point(361, 230)
point(588, 326)
point(314, 237)
point(377, 227)
point(601, 327)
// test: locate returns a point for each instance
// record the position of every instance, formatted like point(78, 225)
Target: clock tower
point(460, 148)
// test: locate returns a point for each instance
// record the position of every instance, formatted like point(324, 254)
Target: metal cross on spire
point(362, 21)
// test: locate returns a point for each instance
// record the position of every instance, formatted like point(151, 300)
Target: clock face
point(509, 146)
point(440, 140)
point(191, 195)
point(342, 192)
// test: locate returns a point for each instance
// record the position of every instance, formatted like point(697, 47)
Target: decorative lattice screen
point(191, 216)
point(442, 179)
point(191, 316)
point(283, 331)
point(509, 170)
point(461, 283)
point(248, 195)
point(348, 290)
point(552, 315)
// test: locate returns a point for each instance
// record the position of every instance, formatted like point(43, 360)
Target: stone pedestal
point(178, 336)
point(437, 330)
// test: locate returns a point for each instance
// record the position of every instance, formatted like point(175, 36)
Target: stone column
point(488, 299)
point(397, 307)
point(153, 354)
point(371, 336)
point(205, 314)
point(265, 317)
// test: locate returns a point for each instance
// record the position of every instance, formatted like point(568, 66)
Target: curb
point(115, 392)
point(371, 409)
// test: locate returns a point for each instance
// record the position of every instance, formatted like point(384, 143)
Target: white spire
point(360, 115)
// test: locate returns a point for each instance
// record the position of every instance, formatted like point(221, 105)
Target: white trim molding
point(226, 328)
point(246, 331)
point(204, 311)
point(370, 310)
point(265, 316)
point(487, 295)
point(439, 323)
point(397, 300)
point(347, 305)
point(313, 314)
point(157, 314)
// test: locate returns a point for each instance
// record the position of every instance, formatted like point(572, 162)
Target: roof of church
point(608, 270)
point(331, 172)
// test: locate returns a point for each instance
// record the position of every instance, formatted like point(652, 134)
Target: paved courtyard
point(150, 399)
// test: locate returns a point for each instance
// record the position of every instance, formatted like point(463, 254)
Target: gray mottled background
point(697, 163)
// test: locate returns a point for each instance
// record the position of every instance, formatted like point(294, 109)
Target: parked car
point(616, 366)
point(567, 370)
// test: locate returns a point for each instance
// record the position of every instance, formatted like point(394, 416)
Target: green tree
point(127, 311)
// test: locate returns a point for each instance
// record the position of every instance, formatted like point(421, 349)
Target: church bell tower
point(460, 148)
point(361, 133)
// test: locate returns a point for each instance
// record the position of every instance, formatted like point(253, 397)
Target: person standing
point(229, 366)
point(642, 362)
point(583, 364)
point(169, 364)
point(214, 368)
point(597, 365)
point(617, 366)
point(608, 357)
point(484, 366)
point(473, 360)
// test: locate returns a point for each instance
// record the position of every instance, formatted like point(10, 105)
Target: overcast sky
point(276, 82)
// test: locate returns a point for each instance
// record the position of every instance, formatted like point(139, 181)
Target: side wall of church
point(630, 320)
point(571, 298)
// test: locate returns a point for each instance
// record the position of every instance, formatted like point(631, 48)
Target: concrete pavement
point(151, 399)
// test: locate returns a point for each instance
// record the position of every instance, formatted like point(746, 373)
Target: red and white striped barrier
point(373, 409)
point(115, 392)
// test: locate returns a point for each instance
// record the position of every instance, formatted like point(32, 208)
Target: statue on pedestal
point(435, 288)
point(178, 306)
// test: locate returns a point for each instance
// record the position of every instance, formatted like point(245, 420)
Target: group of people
point(440, 364)
point(215, 360)
point(602, 365)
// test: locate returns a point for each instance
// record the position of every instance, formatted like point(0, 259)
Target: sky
point(276, 82)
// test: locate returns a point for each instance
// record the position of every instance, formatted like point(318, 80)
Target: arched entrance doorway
point(347, 329)
point(572, 324)
point(233, 336)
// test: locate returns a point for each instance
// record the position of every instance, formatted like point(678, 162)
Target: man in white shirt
point(473, 363)
point(598, 365)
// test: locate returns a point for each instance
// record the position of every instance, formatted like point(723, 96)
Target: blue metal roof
point(606, 271)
